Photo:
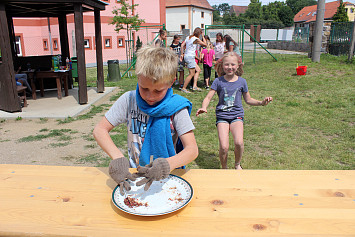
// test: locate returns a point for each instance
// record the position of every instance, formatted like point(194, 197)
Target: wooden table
point(60, 76)
point(76, 201)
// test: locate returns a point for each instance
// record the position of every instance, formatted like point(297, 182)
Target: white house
point(187, 14)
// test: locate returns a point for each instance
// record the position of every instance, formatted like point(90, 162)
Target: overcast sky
point(246, 2)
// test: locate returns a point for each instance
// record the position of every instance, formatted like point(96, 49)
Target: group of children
point(159, 128)
point(194, 51)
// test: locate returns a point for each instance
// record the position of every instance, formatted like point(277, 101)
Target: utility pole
point(317, 39)
point(352, 44)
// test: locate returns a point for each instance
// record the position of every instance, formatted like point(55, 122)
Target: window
point(107, 42)
point(309, 13)
point(55, 44)
point(87, 43)
point(352, 10)
point(45, 45)
point(19, 46)
point(202, 26)
point(202, 15)
point(183, 27)
point(120, 42)
point(314, 13)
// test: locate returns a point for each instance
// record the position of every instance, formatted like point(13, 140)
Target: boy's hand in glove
point(119, 171)
point(156, 170)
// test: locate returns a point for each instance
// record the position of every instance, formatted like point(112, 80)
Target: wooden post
point(352, 44)
point(8, 94)
point(99, 59)
point(64, 41)
point(79, 39)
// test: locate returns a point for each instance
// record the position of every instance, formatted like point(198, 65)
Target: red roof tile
point(238, 9)
point(181, 3)
point(309, 14)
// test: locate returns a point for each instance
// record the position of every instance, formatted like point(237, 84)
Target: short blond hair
point(159, 64)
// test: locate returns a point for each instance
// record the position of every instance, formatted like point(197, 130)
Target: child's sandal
point(185, 91)
point(196, 89)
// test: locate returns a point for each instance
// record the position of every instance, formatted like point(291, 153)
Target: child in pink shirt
point(207, 56)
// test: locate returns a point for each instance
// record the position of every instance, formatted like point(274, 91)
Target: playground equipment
point(238, 34)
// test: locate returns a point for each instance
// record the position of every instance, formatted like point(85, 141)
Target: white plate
point(163, 197)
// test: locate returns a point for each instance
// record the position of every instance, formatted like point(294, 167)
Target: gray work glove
point(119, 171)
point(156, 170)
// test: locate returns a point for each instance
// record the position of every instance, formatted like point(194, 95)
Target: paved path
point(250, 47)
point(50, 107)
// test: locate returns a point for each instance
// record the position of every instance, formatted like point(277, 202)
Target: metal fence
point(301, 35)
point(340, 37)
point(242, 36)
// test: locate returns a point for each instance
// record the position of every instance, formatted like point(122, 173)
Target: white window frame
point(109, 43)
point(18, 45)
point(87, 43)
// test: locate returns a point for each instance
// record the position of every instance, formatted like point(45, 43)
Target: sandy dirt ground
point(71, 145)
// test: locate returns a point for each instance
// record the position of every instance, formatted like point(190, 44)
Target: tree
point(124, 19)
point(224, 8)
point(286, 15)
point(271, 11)
point(230, 19)
point(254, 10)
point(297, 5)
point(139, 44)
point(216, 15)
point(341, 15)
point(275, 15)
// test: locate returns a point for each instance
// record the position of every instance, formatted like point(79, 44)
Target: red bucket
point(301, 70)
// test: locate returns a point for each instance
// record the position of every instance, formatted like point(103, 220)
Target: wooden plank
point(8, 94)
point(99, 59)
point(73, 201)
point(64, 41)
point(80, 53)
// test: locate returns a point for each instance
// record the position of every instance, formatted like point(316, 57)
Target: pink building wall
point(33, 32)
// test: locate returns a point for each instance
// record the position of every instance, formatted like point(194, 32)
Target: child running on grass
point(188, 53)
point(207, 56)
point(155, 119)
point(230, 87)
point(176, 47)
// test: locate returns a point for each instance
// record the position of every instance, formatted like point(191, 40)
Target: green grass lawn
point(309, 125)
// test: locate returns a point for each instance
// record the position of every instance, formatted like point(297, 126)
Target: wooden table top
point(76, 201)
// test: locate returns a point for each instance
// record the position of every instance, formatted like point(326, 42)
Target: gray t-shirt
point(125, 110)
point(230, 97)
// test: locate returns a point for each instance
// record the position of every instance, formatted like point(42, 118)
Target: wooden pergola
point(50, 8)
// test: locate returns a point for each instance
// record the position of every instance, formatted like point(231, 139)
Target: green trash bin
point(113, 70)
point(74, 65)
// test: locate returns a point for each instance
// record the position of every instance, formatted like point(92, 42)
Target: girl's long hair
point(219, 34)
point(162, 32)
point(219, 64)
point(197, 32)
point(229, 40)
point(208, 42)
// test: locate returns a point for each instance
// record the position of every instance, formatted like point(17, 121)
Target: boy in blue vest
point(156, 119)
